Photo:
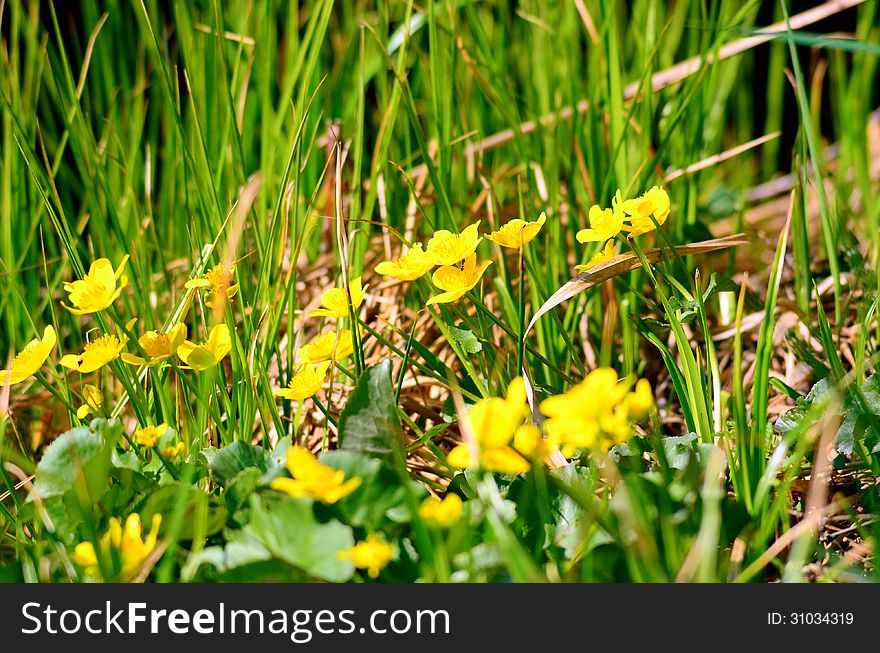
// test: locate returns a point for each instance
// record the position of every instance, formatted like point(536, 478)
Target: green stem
point(522, 312)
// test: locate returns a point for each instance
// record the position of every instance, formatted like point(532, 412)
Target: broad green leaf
point(679, 450)
point(78, 461)
point(289, 530)
point(380, 490)
point(369, 423)
point(234, 458)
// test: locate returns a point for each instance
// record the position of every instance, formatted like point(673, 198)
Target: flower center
point(220, 276)
point(102, 344)
point(157, 345)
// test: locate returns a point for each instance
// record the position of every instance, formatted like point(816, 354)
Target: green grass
point(305, 143)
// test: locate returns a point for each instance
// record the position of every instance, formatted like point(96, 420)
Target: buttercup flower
point(410, 266)
point(97, 353)
point(456, 282)
point(531, 443)
point(371, 554)
point(640, 401)
point(148, 436)
point(312, 479)
point(207, 355)
point(598, 412)
point(307, 380)
point(93, 401)
point(335, 300)
point(517, 233)
point(98, 290)
point(448, 248)
point(128, 544)
point(494, 422)
point(654, 202)
point(30, 359)
point(330, 345)
point(604, 223)
point(173, 451)
point(219, 282)
point(442, 513)
point(158, 346)
point(602, 255)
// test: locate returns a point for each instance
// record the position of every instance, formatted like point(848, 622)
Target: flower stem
point(520, 349)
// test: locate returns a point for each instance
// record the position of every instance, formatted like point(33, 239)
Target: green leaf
point(793, 417)
point(203, 515)
point(242, 550)
point(289, 530)
point(77, 463)
point(369, 423)
point(241, 487)
point(380, 490)
point(234, 458)
point(679, 450)
point(860, 410)
point(466, 339)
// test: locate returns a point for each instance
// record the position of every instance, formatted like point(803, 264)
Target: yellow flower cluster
point(633, 217)
point(495, 423)
point(97, 292)
point(597, 413)
point(127, 544)
point(328, 347)
point(456, 255)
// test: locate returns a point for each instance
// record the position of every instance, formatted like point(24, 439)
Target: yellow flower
point(517, 233)
point(158, 346)
point(604, 223)
point(654, 202)
point(127, 544)
point(93, 401)
point(218, 280)
point(207, 355)
point(494, 421)
point(307, 380)
point(97, 353)
point(456, 282)
point(589, 413)
point(412, 265)
point(531, 443)
point(371, 554)
point(98, 290)
point(442, 513)
point(640, 402)
point(448, 248)
point(173, 451)
point(30, 359)
point(616, 426)
point(312, 479)
point(148, 436)
point(335, 300)
point(330, 345)
point(602, 255)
